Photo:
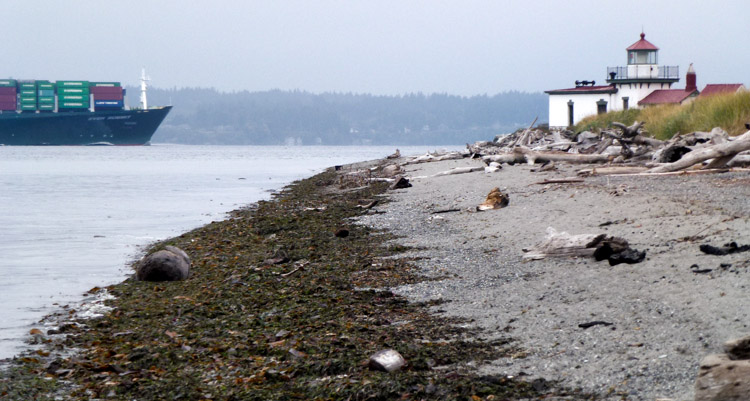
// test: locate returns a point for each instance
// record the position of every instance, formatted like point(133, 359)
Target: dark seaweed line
point(243, 329)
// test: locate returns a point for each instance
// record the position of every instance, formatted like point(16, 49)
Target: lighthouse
point(626, 87)
point(641, 76)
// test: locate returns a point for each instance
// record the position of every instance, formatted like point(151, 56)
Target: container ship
point(38, 112)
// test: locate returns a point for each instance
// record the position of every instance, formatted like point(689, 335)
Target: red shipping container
point(7, 106)
point(97, 90)
point(7, 90)
point(108, 96)
point(7, 98)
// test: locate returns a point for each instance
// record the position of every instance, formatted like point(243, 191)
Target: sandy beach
point(665, 317)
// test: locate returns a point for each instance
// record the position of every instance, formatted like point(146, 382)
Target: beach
point(667, 312)
point(290, 297)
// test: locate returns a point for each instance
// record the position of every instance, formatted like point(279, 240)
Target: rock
point(610, 246)
point(495, 200)
point(739, 348)
point(168, 264)
point(341, 233)
point(388, 360)
point(722, 379)
point(401, 183)
point(629, 256)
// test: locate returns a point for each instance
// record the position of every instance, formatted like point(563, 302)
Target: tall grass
point(728, 111)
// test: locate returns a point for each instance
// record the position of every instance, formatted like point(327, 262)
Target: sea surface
point(73, 218)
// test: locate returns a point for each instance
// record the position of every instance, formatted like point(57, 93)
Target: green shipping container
point(112, 84)
point(73, 84)
point(73, 98)
point(27, 85)
point(47, 106)
point(45, 86)
point(7, 82)
point(27, 100)
point(74, 105)
point(27, 107)
point(46, 92)
point(27, 92)
point(46, 100)
point(72, 91)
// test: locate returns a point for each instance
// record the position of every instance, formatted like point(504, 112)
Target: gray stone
point(168, 264)
point(722, 379)
point(388, 360)
point(739, 348)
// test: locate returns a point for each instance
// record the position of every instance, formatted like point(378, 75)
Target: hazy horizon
point(387, 47)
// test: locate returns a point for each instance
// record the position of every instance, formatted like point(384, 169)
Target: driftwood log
point(721, 151)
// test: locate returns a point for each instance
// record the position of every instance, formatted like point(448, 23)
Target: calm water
point(72, 218)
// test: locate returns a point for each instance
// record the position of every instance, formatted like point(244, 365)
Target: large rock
point(168, 264)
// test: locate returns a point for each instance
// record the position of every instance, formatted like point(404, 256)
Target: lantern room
point(642, 52)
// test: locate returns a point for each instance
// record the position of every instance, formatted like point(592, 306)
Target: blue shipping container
point(108, 104)
point(46, 92)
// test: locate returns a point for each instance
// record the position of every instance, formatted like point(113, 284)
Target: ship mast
point(144, 86)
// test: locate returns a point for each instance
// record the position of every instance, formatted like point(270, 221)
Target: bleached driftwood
point(532, 157)
point(612, 170)
point(459, 170)
point(563, 244)
point(722, 150)
point(503, 158)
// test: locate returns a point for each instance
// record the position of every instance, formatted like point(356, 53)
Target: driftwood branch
point(631, 131)
point(721, 150)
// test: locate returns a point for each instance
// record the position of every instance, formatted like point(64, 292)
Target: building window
point(601, 106)
point(625, 102)
point(642, 57)
point(570, 113)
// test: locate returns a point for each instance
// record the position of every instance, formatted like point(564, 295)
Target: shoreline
point(244, 326)
point(492, 317)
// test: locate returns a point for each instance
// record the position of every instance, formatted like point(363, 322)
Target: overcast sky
point(390, 47)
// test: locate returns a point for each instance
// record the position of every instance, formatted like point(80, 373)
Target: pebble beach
point(666, 313)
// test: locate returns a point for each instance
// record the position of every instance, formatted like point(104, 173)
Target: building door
point(570, 113)
point(625, 100)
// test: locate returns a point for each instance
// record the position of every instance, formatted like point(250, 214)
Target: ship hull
point(111, 127)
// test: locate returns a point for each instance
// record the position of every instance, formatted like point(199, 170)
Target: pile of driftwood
point(627, 149)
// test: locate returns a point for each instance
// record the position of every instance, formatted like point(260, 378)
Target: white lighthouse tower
point(641, 76)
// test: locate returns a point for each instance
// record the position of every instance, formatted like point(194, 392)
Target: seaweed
point(301, 327)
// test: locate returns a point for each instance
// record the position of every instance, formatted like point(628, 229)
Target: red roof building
point(668, 96)
point(715, 89)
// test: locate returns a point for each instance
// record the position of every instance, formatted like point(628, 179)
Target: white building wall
point(584, 105)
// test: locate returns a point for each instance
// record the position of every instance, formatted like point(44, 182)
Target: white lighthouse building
point(627, 87)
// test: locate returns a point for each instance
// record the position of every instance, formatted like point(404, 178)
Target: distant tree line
point(207, 116)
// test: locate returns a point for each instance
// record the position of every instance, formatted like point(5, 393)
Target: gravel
point(665, 318)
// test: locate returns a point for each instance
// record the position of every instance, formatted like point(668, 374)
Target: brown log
point(571, 180)
point(741, 144)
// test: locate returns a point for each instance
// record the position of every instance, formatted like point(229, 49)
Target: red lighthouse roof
point(642, 44)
